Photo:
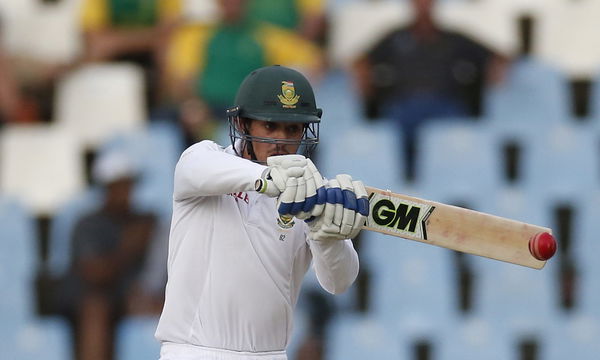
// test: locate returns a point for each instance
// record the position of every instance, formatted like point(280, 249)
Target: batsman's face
point(275, 131)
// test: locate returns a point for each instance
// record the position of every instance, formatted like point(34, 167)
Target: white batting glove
point(311, 202)
point(280, 168)
point(297, 183)
point(345, 211)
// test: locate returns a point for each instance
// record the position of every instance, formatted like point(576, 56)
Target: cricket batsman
point(248, 220)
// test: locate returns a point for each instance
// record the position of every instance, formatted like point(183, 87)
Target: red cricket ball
point(542, 246)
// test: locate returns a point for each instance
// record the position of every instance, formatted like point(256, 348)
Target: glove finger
point(287, 197)
point(348, 191)
point(362, 198)
point(298, 204)
point(278, 177)
point(335, 196)
point(326, 217)
point(359, 221)
point(311, 191)
point(287, 161)
point(320, 188)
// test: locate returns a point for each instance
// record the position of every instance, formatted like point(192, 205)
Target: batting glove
point(273, 180)
point(344, 213)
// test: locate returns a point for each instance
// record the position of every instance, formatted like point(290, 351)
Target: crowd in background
point(193, 55)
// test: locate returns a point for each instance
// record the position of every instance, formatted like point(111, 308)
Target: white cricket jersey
point(234, 271)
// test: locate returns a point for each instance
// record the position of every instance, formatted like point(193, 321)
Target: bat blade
point(452, 227)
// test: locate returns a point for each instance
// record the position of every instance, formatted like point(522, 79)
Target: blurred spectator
point(420, 72)
point(206, 63)
point(13, 107)
point(131, 30)
point(306, 17)
point(109, 249)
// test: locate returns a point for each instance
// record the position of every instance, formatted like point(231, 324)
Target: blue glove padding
point(305, 197)
point(345, 211)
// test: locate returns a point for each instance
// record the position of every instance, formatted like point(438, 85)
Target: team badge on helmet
point(288, 96)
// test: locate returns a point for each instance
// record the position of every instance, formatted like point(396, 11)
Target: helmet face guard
point(242, 140)
point(274, 94)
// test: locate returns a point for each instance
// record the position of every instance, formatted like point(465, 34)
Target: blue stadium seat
point(458, 159)
point(135, 338)
point(561, 161)
point(356, 337)
point(586, 248)
point(533, 95)
point(341, 106)
point(18, 262)
point(476, 338)
point(523, 300)
point(572, 335)
point(369, 152)
point(23, 336)
point(413, 286)
point(45, 338)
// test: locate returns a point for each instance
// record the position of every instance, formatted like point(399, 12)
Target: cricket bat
point(459, 229)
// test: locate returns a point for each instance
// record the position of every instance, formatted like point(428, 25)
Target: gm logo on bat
point(399, 216)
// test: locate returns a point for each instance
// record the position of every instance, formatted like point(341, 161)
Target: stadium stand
point(96, 101)
point(24, 335)
point(135, 338)
point(413, 292)
point(41, 165)
point(533, 95)
point(458, 161)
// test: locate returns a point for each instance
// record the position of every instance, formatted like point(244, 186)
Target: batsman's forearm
point(205, 170)
point(336, 264)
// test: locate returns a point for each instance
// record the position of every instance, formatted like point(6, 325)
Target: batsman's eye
point(293, 129)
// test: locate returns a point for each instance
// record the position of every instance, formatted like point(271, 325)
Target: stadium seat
point(40, 338)
point(561, 160)
point(367, 152)
point(56, 39)
point(458, 159)
point(24, 336)
point(585, 248)
point(340, 102)
point(41, 165)
point(135, 338)
point(523, 300)
point(97, 101)
point(566, 37)
point(533, 96)
point(572, 335)
point(413, 286)
point(476, 338)
point(18, 262)
point(357, 337)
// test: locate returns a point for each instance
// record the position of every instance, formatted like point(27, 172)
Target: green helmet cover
point(277, 93)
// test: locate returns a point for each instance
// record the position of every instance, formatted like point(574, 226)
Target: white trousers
point(173, 351)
